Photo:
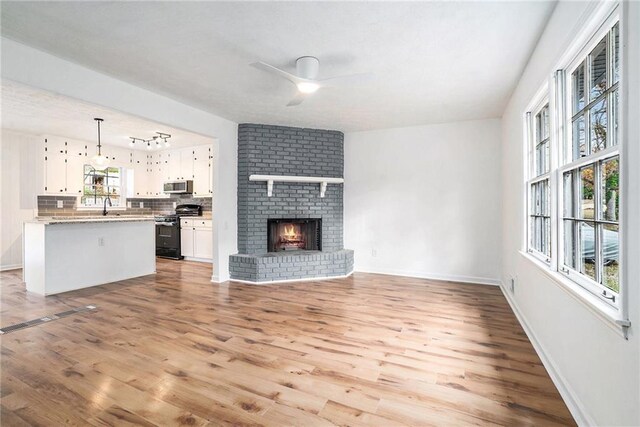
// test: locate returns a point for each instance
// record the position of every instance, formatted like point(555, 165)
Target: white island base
point(65, 255)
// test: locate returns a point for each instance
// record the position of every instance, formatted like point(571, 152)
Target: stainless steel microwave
point(182, 186)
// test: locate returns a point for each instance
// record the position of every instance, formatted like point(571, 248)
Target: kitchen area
point(99, 198)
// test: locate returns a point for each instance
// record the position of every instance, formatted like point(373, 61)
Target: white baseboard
point(10, 267)
point(577, 409)
point(307, 279)
point(434, 276)
point(205, 260)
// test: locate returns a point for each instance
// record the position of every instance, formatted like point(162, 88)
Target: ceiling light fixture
point(99, 161)
point(164, 136)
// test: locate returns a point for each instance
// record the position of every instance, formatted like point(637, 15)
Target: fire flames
point(290, 238)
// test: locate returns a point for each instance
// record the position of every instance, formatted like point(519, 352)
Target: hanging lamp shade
point(99, 161)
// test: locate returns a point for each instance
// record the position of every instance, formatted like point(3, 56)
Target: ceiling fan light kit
point(305, 79)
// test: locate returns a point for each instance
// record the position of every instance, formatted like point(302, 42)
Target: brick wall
point(279, 150)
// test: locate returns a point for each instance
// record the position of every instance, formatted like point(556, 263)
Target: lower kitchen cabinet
point(196, 239)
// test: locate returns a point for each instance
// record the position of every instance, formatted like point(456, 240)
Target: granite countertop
point(88, 219)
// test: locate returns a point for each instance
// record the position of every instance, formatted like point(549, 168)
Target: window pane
point(610, 170)
point(569, 244)
point(577, 79)
point(614, 117)
point(615, 33)
point(588, 250)
point(610, 275)
point(599, 69)
point(599, 126)
point(538, 232)
point(546, 236)
point(568, 210)
point(587, 206)
point(579, 141)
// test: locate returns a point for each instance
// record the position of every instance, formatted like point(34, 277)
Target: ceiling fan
point(305, 79)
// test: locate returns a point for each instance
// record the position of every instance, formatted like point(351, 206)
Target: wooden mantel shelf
point(270, 179)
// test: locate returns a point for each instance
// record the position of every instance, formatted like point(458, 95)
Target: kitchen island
point(65, 254)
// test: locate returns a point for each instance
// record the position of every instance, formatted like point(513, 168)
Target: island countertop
point(87, 219)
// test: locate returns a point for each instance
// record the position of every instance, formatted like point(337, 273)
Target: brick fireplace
point(297, 232)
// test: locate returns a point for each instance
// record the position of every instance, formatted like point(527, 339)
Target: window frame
point(602, 18)
point(568, 164)
point(541, 102)
point(122, 188)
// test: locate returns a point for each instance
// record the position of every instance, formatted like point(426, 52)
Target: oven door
point(168, 240)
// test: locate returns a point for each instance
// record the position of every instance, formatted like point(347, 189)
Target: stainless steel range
point(168, 231)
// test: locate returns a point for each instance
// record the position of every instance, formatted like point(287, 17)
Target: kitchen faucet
point(104, 208)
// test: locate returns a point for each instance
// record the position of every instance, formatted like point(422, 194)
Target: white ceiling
point(433, 61)
point(30, 110)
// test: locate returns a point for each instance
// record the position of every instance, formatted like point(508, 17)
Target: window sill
point(611, 316)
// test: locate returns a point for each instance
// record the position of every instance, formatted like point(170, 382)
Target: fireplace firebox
point(285, 234)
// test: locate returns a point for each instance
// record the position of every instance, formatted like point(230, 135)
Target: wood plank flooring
point(175, 349)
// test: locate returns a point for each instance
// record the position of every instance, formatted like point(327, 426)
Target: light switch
point(174, 205)
point(141, 205)
point(60, 204)
point(129, 205)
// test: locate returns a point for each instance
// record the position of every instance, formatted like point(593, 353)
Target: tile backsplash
point(47, 205)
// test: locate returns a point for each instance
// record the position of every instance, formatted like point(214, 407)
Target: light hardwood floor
point(175, 349)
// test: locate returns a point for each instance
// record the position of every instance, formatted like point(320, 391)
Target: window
point(591, 173)
point(573, 203)
point(100, 183)
point(539, 210)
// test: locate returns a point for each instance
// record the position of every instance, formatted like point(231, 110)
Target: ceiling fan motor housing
point(307, 67)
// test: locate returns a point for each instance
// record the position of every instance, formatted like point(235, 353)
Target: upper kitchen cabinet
point(55, 166)
point(173, 165)
point(77, 157)
point(202, 170)
point(141, 174)
point(186, 163)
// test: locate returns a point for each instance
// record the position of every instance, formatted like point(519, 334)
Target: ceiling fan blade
point(351, 79)
point(271, 69)
point(297, 100)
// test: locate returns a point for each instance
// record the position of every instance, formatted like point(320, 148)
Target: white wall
point(426, 199)
point(38, 69)
point(19, 179)
point(595, 368)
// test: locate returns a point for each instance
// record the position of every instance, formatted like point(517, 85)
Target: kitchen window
point(100, 183)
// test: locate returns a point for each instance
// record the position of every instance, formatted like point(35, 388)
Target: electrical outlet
point(374, 253)
point(141, 205)
point(100, 241)
point(129, 205)
point(512, 284)
point(60, 204)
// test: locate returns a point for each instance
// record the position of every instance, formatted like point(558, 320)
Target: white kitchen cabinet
point(202, 243)
point(196, 239)
point(201, 170)
point(77, 157)
point(173, 163)
point(187, 241)
point(186, 163)
point(55, 155)
point(158, 172)
point(141, 174)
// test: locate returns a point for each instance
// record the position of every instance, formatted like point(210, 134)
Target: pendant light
point(99, 161)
